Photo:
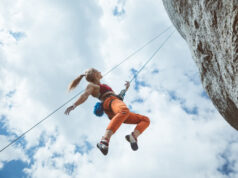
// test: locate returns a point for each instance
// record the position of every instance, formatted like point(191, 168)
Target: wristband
point(74, 106)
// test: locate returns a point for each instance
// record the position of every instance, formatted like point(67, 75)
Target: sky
point(46, 44)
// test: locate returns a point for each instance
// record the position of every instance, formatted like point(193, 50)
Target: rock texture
point(210, 28)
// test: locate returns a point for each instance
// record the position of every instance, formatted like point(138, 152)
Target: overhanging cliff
point(210, 28)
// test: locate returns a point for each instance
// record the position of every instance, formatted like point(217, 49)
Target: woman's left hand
point(127, 85)
point(68, 110)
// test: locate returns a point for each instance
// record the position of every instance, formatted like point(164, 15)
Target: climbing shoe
point(103, 146)
point(133, 141)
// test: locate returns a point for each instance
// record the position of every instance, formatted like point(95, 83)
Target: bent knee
point(146, 120)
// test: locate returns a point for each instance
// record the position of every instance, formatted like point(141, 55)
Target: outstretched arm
point(82, 98)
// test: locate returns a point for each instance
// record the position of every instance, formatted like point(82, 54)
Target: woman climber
point(113, 106)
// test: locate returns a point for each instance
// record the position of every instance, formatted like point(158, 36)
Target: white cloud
point(12, 153)
point(62, 40)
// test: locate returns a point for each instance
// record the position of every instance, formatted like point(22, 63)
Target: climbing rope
point(152, 56)
point(136, 51)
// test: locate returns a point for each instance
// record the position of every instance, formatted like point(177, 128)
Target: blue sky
point(44, 45)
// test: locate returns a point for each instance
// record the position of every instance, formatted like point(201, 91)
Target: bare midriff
point(105, 95)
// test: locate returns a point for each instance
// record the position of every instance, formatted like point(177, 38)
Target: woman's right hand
point(69, 109)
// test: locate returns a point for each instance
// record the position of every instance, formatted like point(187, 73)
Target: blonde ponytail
point(75, 82)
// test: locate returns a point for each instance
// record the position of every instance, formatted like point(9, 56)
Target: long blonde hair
point(90, 77)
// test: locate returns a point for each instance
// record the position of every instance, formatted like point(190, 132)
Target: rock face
point(210, 28)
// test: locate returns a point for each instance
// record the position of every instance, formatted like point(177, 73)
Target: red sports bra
point(103, 89)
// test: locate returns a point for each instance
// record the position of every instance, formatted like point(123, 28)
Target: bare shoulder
point(91, 88)
point(92, 85)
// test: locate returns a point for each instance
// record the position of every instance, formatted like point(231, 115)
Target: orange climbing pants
point(118, 113)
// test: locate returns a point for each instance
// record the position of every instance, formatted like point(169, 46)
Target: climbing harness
point(98, 111)
point(100, 106)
